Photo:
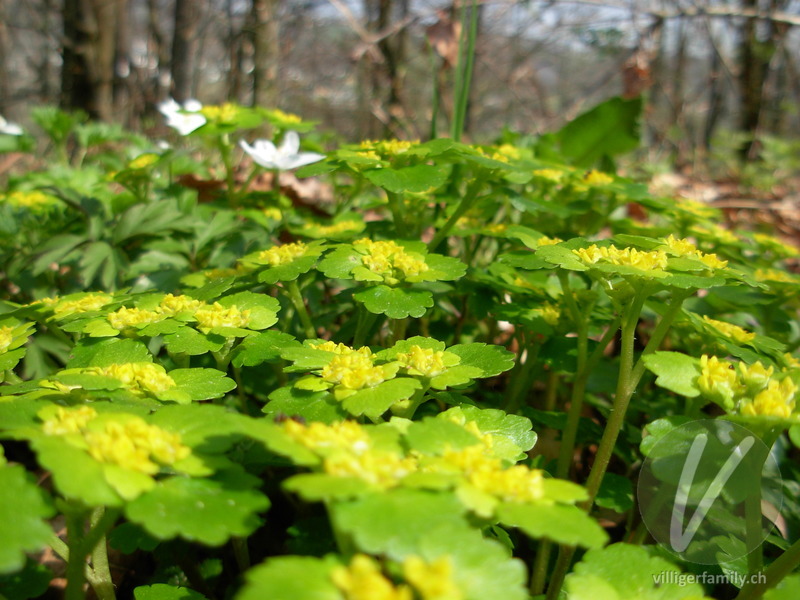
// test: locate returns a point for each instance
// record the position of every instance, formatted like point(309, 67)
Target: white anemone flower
point(284, 157)
point(9, 128)
point(183, 118)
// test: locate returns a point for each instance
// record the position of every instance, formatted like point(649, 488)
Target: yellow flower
point(353, 371)
point(387, 258)
point(363, 580)
point(547, 241)
point(143, 161)
point(425, 361)
point(344, 435)
point(683, 247)
point(774, 275)
point(598, 178)
point(776, 401)
point(776, 245)
point(217, 315)
point(129, 317)
point(755, 376)
point(731, 331)
point(711, 260)
point(334, 228)
point(389, 147)
point(140, 377)
point(224, 113)
point(285, 117)
point(220, 273)
point(330, 346)
point(552, 174)
point(135, 445)
point(515, 484)
point(509, 151)
point(377, 467)
point(88, 303)
point(717, 233)
point(433, 580)
point(30, 199)
point(793, 362)
point(282, 255)
point(551, 314)
point(697, 209)
point(6, 337)
point(273, 213)
point(68, 421)
point(717, 378)
point(645, 261)
point(172, 305)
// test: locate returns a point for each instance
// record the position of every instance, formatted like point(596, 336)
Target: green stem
point(467, 202)
point(241, 553)
point(396, 208)
point(76, 567)
point(772, 576)
point(399, 330)
point(520, 382)
point(467, 57)
point(300, 306)
point(225, 153)
point(101, 581)
point(752, 514)
point(539, 570)
point(365, 321)
point(551, 390)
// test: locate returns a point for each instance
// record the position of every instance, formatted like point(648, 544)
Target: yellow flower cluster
point(143, 161)
point(551, 314)
point(750, 387)
point(775, 275)
point(223, 113)
point(216, 315)
point(595, 177)
point(334, 228)
point(380, 468)
point(141, 377)
point(389, 147)
point(776, 245)
point(547, 241)
point(129, 317)
point(282, 255)
point(388, 258)
point(30, 199)
point(734, 332)
point(277, 113)
point(697, 209)
point(631, 257)
point(353, 370)
point(323, 439)
point(717, 233)
point(423, 361)
point(172, 305)
point(6, 337)
point(86, 304)
point(553, 175)
point(683, 247)
point(129, 443)
point(507, 151)
point(363, 580)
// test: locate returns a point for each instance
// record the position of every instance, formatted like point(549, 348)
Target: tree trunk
point(266, 52)
point(87, 80)
point(184, 48)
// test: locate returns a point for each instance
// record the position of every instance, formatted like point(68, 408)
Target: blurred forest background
point(718, 77)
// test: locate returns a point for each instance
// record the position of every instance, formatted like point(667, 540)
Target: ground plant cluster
point(433, 374)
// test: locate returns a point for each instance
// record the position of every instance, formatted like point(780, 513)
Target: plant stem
point(241, 553)
point(467, 202)
point(772, 576)
point(76, 567)
point(399, 330)
point(101, 582)
point(539, 570)
point(396, 208)
point(365, 321)
point(520, 381)
point(300, 306)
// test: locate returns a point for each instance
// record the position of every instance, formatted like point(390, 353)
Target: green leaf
point(434, 435)
point(205, 510)
point(312, 406)
point(373, 402)
point(128, 538)
point(623, 571)
point(105, 352)
point(23, 510)
point(511, 434)
point(291, 578)
point(675, 372)
point(616, 493)
point(492, 360)
point(608, 129)
point(559, 523)
point(264, 347)
point(162, 591)
point(192, 342)
point(263, 308)
point(199, 384)
point(31, 582)
point(321, 486)
point(395, 303)
point(416, 179)
point(788, 589)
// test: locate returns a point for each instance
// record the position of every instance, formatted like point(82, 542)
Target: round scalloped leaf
point(490, 359)
point(291, 578)
point(192, 342)
point(211, 428)
point(340, 263)
point(90, 352)
point(31, 582)
point(9, 360)
point(616, 493)
point(312, 406)
point(628, 571)
point(267, 346)
point(511, 434)
point(210, 510)
point(395, 521)
point(263, 308)
point(292, 270)
point(76, 474)
point(198, 384)
point(788, 589)
point(561, 255)
point(405, 346)
point(443, 268)
point(373, 402)
point(434, 435)
point(128, 538)
point(162, 591)
point(675, 372)
point(23, 510)
point(395, 303)
point(321, 486)
point(416, 179)
point(455, 376)
point(561, 524)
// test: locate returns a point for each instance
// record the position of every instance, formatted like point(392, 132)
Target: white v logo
point(680, 540)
